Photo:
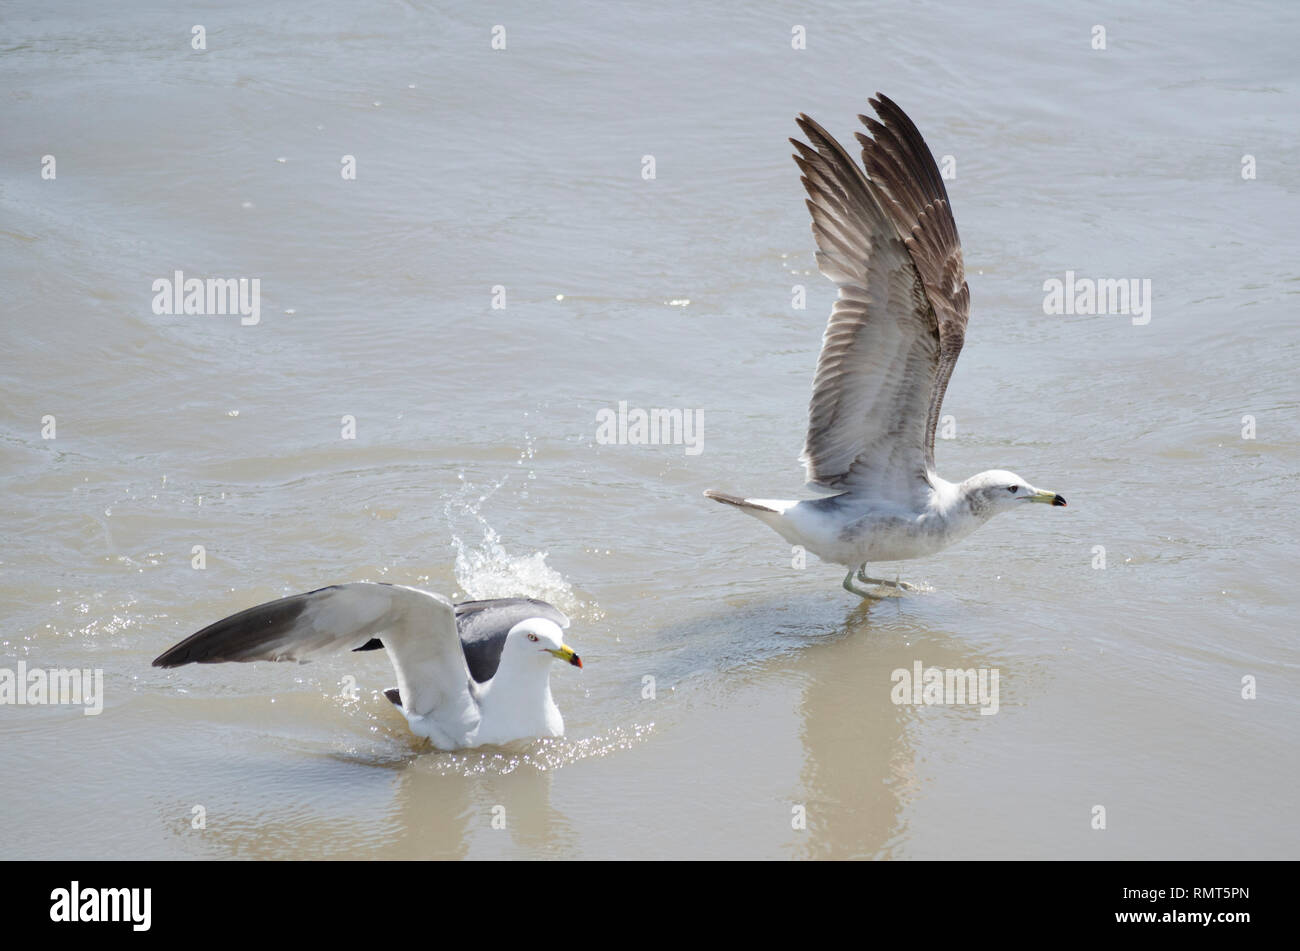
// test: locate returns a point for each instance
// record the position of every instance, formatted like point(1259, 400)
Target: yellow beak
point(565, 653)
point(1051, 498)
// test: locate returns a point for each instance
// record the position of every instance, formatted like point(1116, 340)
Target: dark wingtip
point(172, 657)
point(239, 636)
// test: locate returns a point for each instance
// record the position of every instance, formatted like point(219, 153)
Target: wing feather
point(418, 628)
point(913, 194)
point(888, 240)
point(866, 415)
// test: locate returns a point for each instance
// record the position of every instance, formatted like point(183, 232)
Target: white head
point(999, 490)
point(537, 640)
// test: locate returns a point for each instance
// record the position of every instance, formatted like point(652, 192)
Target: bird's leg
point(901, 585)
point(852, 589)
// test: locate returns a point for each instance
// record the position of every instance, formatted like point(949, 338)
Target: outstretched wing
point(889, 243)
point(418, 628)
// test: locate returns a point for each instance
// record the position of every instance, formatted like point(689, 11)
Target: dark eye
point(532, 637)
point(1012, 489)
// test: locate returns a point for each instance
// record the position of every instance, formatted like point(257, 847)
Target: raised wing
point(418, 628)
point(903, 170)
point(886, 354)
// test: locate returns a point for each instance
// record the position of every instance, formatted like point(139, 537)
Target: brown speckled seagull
point(888, 240)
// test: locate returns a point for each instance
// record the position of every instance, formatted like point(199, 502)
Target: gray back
point(483, 626)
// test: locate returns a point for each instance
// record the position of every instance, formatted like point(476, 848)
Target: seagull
point(471, 674)
point(888, 240)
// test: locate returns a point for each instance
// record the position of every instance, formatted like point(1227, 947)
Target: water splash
point(488, 570)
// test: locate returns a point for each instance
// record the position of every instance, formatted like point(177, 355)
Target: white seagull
point(472, 674)
point(888, 240)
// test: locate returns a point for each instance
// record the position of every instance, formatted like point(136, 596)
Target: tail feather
point(738, 502)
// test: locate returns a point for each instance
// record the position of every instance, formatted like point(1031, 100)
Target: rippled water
point(476, 468)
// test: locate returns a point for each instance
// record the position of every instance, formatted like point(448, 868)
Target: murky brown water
point(476, 469)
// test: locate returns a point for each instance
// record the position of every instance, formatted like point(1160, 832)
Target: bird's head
point(537, 637)
point(998, 490)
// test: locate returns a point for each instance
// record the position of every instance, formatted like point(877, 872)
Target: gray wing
point(900, 164)
point(483, 626)
point(890, 244)
point(418, 627)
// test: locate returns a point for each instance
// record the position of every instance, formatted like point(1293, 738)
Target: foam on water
point(540, 755)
